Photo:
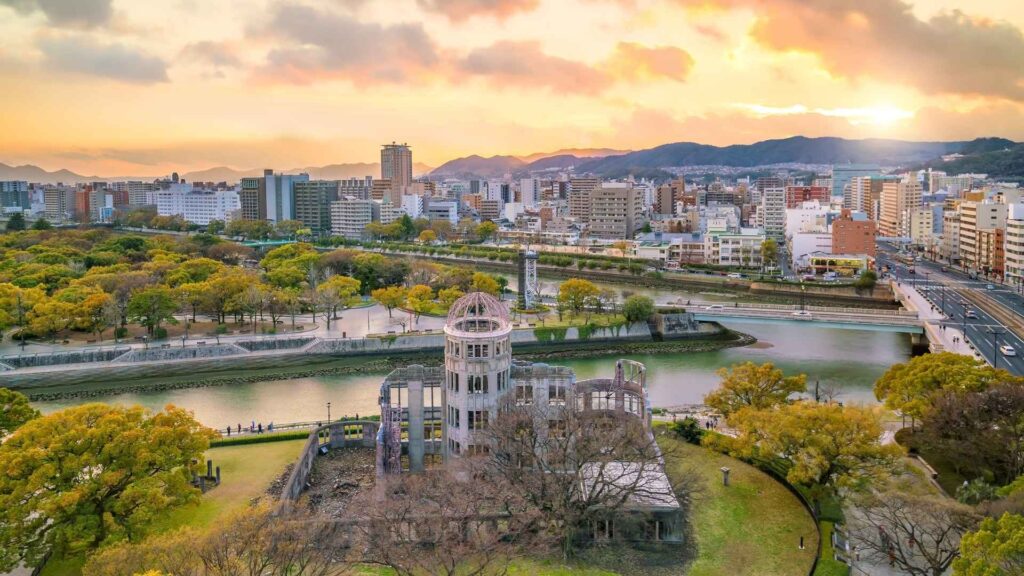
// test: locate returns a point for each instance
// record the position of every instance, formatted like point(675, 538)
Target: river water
point(847, 360)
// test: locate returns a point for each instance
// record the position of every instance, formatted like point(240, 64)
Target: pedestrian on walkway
point(229, 430)
point(261, 428)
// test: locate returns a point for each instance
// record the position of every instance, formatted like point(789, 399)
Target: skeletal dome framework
point(478, 313)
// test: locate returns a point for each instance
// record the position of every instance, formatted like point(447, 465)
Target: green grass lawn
point(246, 473)
point(753, 526)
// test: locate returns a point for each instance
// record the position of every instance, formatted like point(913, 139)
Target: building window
point(602, 400)
point(556, 395)
point(453, 417)
point(524, 395)
point(477, 419)
point(477, 384)
point(633, 404)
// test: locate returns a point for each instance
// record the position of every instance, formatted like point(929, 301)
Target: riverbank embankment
point(274, 361)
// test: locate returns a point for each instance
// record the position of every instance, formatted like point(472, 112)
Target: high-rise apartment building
point(280, 195)
point(1013, 269)
point(350, 216)
point(772, 216)
point(313, 203)
point(529, 191)
point(356, 187)
point(977, 217)
point(579, 197)
point(897, 200)
point(59, 203)
point(616, 211)
point(14, 194)
point(664, 201)
point(253, 197)
point(396, 166)
point(198, 206)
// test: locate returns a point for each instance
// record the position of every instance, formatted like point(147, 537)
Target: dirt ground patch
point(336, 478)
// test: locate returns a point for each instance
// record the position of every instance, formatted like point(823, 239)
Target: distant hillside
point(32, 173)
point(493, 167)
point(798, 149)
point(329, 172)
point(577, 152)
point(1006, 162)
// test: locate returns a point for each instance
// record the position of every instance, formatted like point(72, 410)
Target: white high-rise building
point(198, 206)
point(529, 191)
point(773, 212)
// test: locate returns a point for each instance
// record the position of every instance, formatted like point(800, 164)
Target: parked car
point(1007, 350)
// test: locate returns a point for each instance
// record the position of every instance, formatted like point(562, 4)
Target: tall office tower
point(897, 200)
point(14, 194)
point(843, 173)
point(616, 211)
point(59, 203)
point(253, 196)
point(280, 195)
point(396, 166)
point(773, 207)
point(313, 203)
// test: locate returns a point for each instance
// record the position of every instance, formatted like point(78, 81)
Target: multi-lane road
point(948, 289)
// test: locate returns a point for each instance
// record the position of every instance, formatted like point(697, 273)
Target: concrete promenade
point(941, 337)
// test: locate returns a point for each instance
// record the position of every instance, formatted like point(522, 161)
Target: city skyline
point(106, 87)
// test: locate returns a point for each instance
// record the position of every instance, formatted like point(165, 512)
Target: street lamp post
point(328, 412)
point(995, 346)
point(803, 290)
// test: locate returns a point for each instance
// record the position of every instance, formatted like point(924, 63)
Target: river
point(847, 360)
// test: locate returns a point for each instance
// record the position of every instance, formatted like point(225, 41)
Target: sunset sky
point(144, 87)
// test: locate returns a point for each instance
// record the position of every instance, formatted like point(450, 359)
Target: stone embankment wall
point(139, 365)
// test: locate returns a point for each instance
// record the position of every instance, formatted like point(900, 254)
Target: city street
point(945, 291)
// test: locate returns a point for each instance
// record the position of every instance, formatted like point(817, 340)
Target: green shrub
point(688, 429)
point(221, 329)
point(160, 333)
point(259, 438)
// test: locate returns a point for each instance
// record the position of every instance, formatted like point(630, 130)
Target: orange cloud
point(320, 44)
point(950, 53)
point(635, 62)
point(459, 10)
point(524, 64)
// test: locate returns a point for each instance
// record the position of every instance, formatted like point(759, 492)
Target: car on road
point(970, 314)
point(735, 275)
point(990, 287)
point(944, 269)
point(714, 307)
point(802, 314)
point(1007, 350)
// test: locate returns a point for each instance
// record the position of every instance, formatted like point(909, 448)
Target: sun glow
point(882, 115)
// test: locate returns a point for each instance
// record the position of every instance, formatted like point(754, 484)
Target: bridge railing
point(695, 306)
point(863, 317)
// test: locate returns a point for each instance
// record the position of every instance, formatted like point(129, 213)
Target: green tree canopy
point(638, 308)
point(390, 297)
point(996, 548)
point(86, 476)
point(825, 444)
point(574, 293)
point(754, 386)
point(152, 306)
point(14, 411)
point(16, 222)
point(910, 387)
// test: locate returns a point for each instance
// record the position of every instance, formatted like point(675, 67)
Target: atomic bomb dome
point(478, 314)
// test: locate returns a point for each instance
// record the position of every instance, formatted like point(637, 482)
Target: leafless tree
point(253, 542)
point(916, 534)
point(450, 520)
point(577, 467)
